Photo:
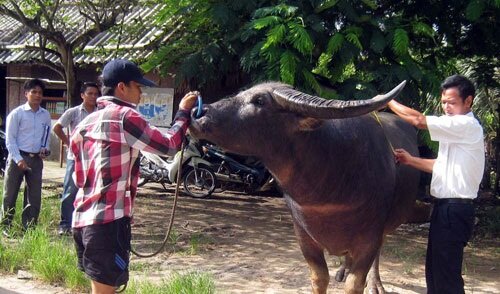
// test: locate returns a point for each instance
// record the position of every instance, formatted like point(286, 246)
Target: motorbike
point(4, 153)
point(235, 172)
point(198, 179)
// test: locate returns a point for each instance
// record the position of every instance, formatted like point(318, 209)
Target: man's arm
point(408, 114)
point(422, 164)
point(64, 121)
point(11, 140)
point(140, 135)
point(59, 131)
point(11, 131)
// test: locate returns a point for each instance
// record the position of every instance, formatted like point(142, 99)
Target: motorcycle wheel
point(199, 183)
point(141, 182)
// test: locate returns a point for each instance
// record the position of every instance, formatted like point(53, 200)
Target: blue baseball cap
point(122, 70)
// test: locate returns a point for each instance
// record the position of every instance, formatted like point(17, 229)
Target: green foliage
point(324, 5)
point(288, 66)
point(282, 10)
point(340, 49)
point(370, 3)
point(401, 42)
point(275, 36)
point(265, 22)
point(299, 38)
point(421, 28)
point(353, 38)
point(335, 43)
point(489, 221)
point(377, 42)
point(185, 283)
point(49, 258)
point(474, 9)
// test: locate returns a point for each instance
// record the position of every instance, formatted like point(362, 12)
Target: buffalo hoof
point(375, 288)
point(341, 275)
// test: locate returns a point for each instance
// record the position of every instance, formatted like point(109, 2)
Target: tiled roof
point(15, 39)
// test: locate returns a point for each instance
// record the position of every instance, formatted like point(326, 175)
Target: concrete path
point(53, 173)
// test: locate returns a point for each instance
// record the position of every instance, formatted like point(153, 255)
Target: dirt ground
point(247, 244)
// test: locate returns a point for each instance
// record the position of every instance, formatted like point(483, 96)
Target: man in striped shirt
point(106, 146)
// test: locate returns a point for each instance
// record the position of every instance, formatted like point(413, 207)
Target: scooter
point(198, 178)
point(235, 172)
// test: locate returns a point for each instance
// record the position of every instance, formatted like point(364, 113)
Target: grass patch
point(187, 283)
point(52, 258)
point(409, 254)
point(196, 241)
point(142, 267)
point(39, 250)
point(489, 222)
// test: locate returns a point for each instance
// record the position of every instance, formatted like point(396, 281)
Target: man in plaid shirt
point(106, 146)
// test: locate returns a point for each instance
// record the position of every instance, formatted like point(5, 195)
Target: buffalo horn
point(317, 107)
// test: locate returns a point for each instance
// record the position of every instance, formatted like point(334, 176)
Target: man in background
point(70, 119)
point(28, 138)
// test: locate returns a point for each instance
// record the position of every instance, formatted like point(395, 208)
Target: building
point(20, 61)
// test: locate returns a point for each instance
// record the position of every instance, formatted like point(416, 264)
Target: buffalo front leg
point(315, 258)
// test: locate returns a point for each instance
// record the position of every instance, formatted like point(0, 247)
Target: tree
point(335, 48)
point(204, 47)
point(61, 35)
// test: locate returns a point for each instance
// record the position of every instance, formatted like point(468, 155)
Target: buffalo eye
point(259, 101)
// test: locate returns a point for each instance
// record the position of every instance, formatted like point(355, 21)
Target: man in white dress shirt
point(28, 141)
point(456, 174)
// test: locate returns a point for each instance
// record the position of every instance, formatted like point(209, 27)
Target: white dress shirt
point(27, 130)
point(459, 166)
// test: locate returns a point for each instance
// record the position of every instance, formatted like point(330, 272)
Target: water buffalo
point(334, 163)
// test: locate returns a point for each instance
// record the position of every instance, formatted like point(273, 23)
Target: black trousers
point(32, 193)
point(450, 230)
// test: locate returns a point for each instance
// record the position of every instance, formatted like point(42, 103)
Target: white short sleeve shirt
point(71, 118)
point(459, 166)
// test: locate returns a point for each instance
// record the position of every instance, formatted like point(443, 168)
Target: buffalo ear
point(309, 123)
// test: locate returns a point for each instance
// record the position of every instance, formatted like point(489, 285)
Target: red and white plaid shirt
point(106, 145)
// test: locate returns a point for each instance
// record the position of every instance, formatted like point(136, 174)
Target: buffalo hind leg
point(315, 258)
point(374, 283)
point(344, 269)
point(362, 261)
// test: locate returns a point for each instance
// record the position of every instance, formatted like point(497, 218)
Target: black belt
point(28, 153)
point(453, 201)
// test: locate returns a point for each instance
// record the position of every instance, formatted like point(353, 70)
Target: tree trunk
point(72, 87)
point(496, 185)
point(72, 83)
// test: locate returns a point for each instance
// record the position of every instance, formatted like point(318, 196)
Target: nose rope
point(176, 196)
point(200, 106)
point(172, 213)
point(375, 115)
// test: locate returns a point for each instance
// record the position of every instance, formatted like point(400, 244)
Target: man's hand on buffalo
point(402, 156)
point(189, 100)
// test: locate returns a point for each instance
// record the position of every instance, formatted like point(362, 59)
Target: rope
point(172, 214)
point(375, 115)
